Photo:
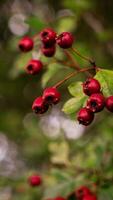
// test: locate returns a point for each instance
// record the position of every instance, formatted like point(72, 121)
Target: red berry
point(39, 106)
point(34, 67)
point(96, 102)
point(48, 37)
point(26, 44)
point(91, 86)
point(59, 198)
point(89, 197)
point(109, 103)
point(51, 95)
point(65, 40)
point(35, 180)
point(85, 116)
point(48, 51)
point(82, 191)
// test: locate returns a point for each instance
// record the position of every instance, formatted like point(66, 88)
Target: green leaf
point(75, 89)
point(105, 77)
point(63, 189)
point(35, 23)
point(51, 71)
point(74, 104)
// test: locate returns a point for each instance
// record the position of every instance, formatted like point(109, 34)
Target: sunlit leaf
point(105, 77)
point(75, 89)
point(74, 104)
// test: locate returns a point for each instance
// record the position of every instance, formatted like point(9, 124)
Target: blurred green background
point(64, 153)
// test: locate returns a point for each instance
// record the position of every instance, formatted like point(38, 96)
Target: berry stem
point(92, 62)
point(72, 74)
point(64, 62)
point(70, 57)
point(74, 63)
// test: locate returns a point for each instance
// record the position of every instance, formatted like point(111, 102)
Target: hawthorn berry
point(91, 86)
point(48, 51)
point(96, 102)
point(89, 197)
point(85, 116)
point(35, 180)
point(34, 67)
point(82, 191)
point(26, 44)
point(51, 95)
point(109, 103)
point(48, 36)
point(65, 40)
point(39, 106)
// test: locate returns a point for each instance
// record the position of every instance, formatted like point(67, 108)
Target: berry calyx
point(39, 106)
point(82, 191)
point(89, 197)
point(48, 36)
point(91, 86)
point(96, 102)
point(51, 95)
point(109, 103)
point(85, 116)
point(26, 44)
point(48, 51)
point(34, 67)
point(65, 40)
point(35, 180)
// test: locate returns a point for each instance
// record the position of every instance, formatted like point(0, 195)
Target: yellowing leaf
point(60, 153)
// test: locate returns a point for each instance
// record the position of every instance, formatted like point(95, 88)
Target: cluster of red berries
point(95, 103)
point(50, 96)
point(91, 87)
point(84, 193)
point(49, 39)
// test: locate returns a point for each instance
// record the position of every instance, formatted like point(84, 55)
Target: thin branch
point(73, 74)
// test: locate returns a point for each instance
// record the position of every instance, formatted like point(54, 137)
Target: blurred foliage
point(64, 164)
